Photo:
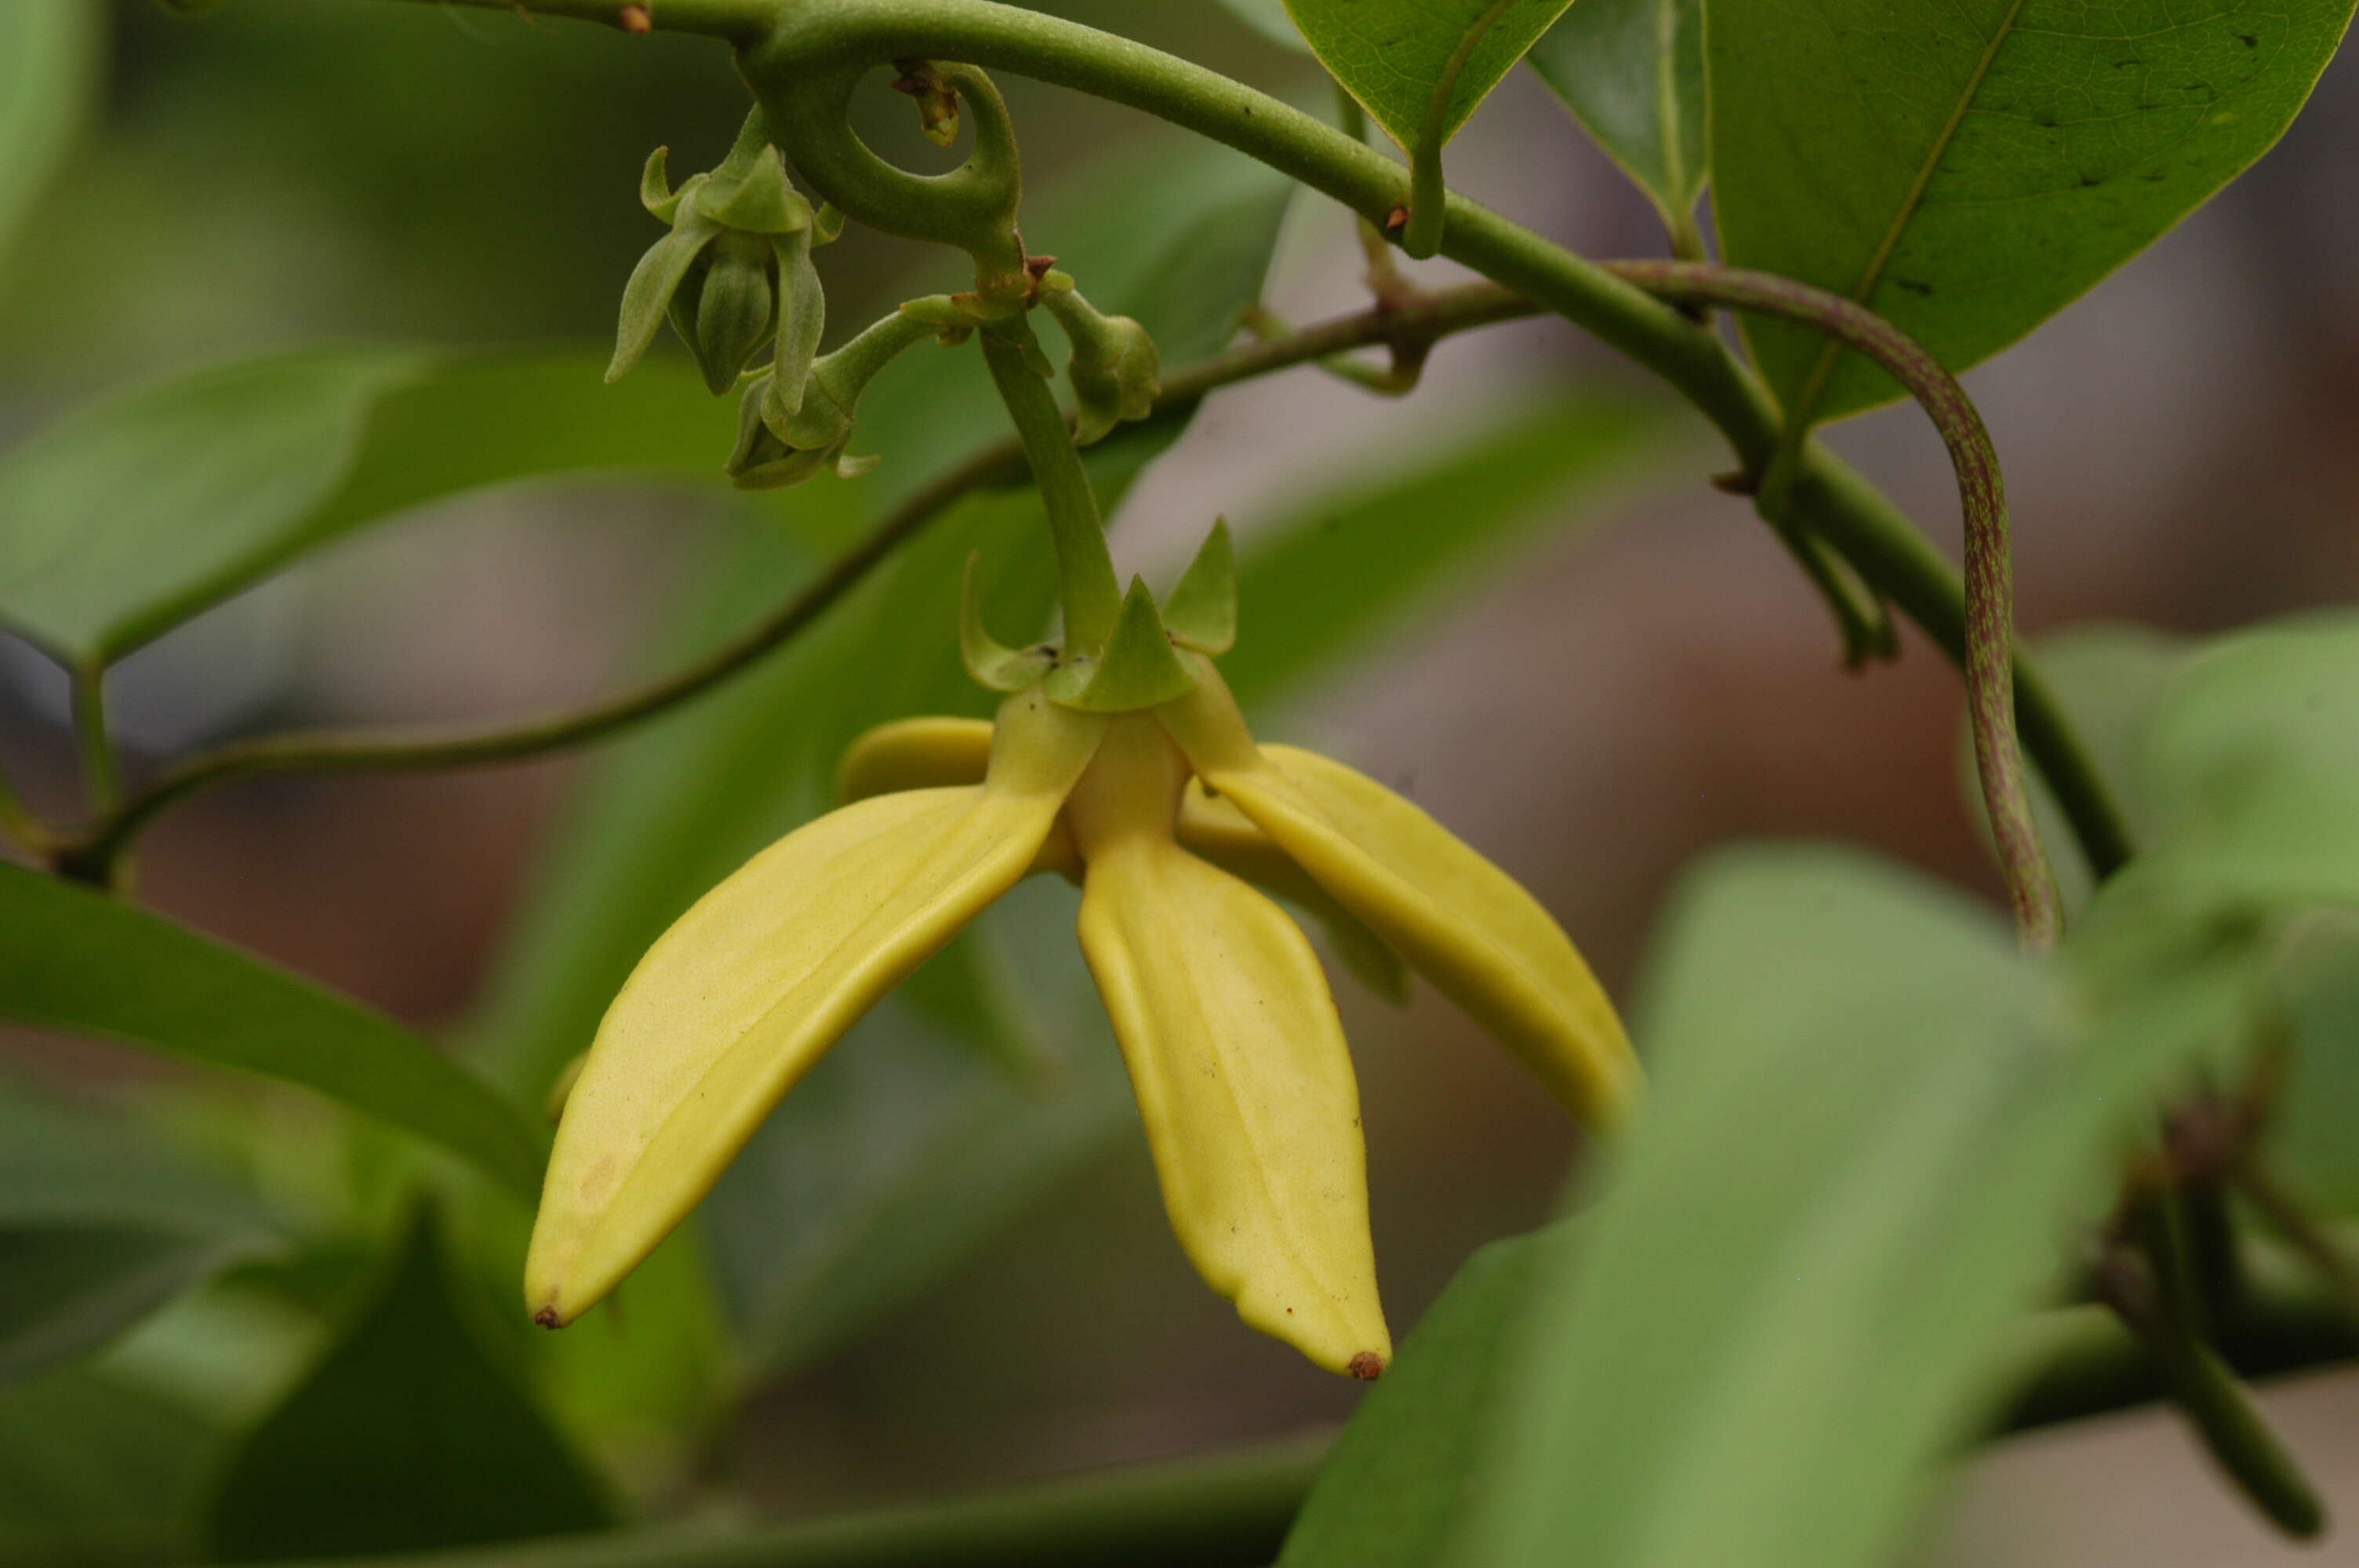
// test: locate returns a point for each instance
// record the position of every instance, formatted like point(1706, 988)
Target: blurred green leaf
point(77, 960)
point(1397, 56)
point(98, 1229)
point(97, 1473)
point(121, 521)
point(1397, 1473)
point(2110, 676)
point(404, 1437)
point(1269, 18)
point(1968, 169)
point(1866, 1138)
point(2252, 768)
point(1322, 581)
point(1632, 73)
point(2310, 1138)
point(65, 1290)
point(50, 57)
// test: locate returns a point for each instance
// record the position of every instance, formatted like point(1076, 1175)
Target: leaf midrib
point(1814, 388)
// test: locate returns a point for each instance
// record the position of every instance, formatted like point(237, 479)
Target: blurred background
point(1642, 676)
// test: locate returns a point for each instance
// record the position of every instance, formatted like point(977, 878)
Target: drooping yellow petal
point(737, 1001)
point(1238, 1061)
point(1459, 920)
point(914, 753)
point(1213, 829)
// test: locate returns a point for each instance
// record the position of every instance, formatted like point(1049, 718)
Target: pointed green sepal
point(647, 297)
point(655, 193)
point(989, 661)
point(802, 314)
point(760, 202)
point(1201, 611)
point(827, 225)
point(1137, 669)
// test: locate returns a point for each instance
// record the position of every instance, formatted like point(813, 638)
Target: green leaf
point(2252, 766)
point(98, 1229)
point(1322, 581)
point(1966, 169)
point(77, 960)
point(1393, 1483)
point(2110, 676)
point(1269, 18)
point(121, 521)
point(1632, 73)
point(1867, 1138)
point(49, 76)
point(96, 1472)
point(404, 1436)
point(1422, 67)
point(2309, 1136)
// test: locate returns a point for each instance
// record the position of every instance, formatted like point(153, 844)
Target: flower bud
point(727, 306)
point(1116, 372)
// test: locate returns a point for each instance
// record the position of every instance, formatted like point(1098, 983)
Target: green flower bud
point(1116, 372)
point(786, 435)
point(734, 270)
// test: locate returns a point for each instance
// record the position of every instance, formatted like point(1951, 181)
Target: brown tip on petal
point(1367, 1366)
point(547, 1317)
point(635, 19)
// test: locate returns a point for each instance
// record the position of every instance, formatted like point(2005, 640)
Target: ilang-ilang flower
point(1166, 812)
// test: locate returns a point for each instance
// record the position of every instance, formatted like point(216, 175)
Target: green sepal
point(1116, 372)
point(1201, 611)
point(760, 201)
point(802, 315)
point(827, 225)
point(655, 193)
point(647, 297)
point(762, 461)
point(1137, 669)
point(737, 303)
point(989, 661)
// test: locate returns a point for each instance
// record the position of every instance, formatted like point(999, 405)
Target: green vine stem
point(1990, 578)
point(1087, 589)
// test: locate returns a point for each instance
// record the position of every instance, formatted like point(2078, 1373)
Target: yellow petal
point(914, 753)
point(1213, 829)
point(1459, 920)
point(738, 999)
point(1240, 1068)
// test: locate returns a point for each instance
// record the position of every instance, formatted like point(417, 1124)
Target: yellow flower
point(1165, 815)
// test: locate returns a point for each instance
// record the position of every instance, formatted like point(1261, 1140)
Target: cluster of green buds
point(735, 275)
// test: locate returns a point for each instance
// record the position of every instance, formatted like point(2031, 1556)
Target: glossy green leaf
point(1632, 73)
point(2252, 766)
point(49, 53)
point(1398, 1474)
point(123, 519)
point(64, 960)
point(2110, 676)
point(1319, 583)
point(1401, 58)
point(96, 1472)
point(1868, 1136)
point(1968, 169)
point(404, 1436)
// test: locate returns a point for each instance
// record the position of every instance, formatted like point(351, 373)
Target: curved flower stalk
point(1173, 820)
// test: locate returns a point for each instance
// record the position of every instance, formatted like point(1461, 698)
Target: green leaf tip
point(989, 661)
point(1139, 668)
point(1201, 611)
